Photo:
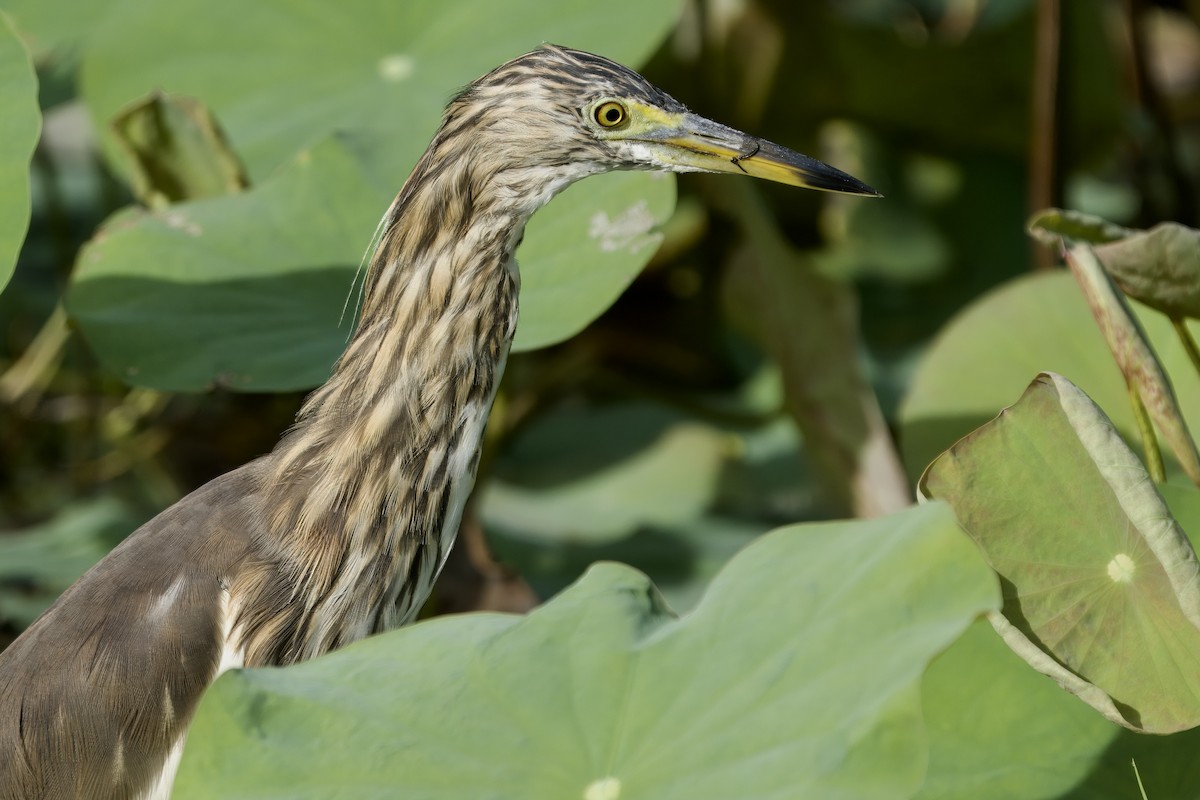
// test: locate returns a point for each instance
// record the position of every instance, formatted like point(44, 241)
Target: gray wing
point(96, 692)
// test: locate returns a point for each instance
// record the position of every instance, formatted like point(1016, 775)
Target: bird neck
point(366, 492)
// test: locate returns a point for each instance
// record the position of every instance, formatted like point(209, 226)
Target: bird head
point(556, 115)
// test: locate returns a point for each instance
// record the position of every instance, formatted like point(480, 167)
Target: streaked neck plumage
point(367, 490)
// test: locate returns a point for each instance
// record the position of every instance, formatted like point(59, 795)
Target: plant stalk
point(1189, 344)
point(1154, 459)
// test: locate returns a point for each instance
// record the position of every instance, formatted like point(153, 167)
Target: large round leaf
point(55, 27)
point(583, 249)
point(377, 74)
point(281, 76)
point(20, 124)
point(256, 291)
point(1102, 588)
point(596, 475)
point(244, 291)
point(796, 676)
point(999, 730)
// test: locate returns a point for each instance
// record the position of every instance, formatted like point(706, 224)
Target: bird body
point(340, 531)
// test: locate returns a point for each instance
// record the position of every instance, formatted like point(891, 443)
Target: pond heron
point(340, 531)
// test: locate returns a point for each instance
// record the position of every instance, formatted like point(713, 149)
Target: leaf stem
point(1138, 775)
point(32, 372)
point(1154, 459)
point(1189, 344)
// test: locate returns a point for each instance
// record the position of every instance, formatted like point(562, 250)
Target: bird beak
point(696, 143)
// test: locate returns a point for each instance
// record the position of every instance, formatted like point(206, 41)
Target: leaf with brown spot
point(1159, 267)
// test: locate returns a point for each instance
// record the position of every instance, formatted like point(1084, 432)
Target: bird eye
point(610, 114)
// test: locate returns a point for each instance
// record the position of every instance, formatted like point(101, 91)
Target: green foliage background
point(752, 357)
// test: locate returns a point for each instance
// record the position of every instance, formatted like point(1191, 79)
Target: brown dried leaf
point(1160, 267)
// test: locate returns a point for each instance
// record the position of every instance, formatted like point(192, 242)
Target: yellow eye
point(610, 114)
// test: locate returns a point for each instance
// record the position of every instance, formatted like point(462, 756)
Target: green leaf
point(53, 27)
point(1050, 226)
point(1184, 502)
point(986, 355)
point(378, 75)
point(20, 125)
point(244, 291)
point(177, 151)
point(999, 730)
point(254, 291)
point(1102, 588)
point(681, 559)
point(582, 250)
point(626, 468)
point(796, 676)
point(281, 77)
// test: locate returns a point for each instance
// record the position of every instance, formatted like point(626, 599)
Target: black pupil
point(612, 115)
